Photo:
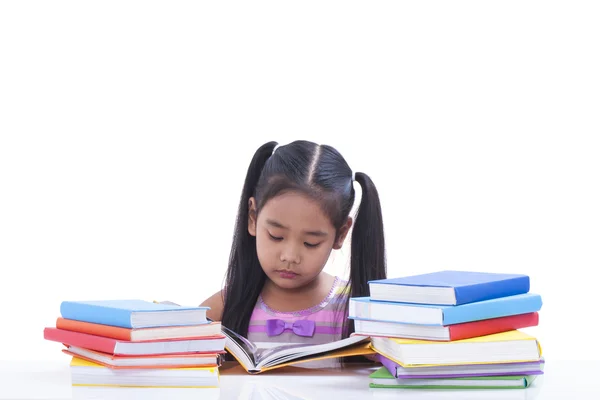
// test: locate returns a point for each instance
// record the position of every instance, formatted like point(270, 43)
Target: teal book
point(382, 378)
point(365, 308)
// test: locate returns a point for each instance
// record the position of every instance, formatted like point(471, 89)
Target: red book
point(485, 327)
point(212, 344)
point(465, 330)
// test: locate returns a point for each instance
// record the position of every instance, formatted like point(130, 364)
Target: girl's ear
point(342, 233)
point(252, 216)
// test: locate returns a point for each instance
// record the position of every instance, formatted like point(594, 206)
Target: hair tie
point(275, 148)
point(353, 176)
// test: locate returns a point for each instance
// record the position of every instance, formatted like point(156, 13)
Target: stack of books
point(137, 343)
point(451, 329)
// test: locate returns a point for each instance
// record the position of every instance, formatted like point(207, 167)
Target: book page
point(241, 346)
point(290, 352)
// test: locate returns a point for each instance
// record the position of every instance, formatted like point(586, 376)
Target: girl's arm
point(215, 302)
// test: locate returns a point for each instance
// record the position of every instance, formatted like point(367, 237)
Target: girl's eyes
point(310, 245)
point(279, 239)
point(275, 238)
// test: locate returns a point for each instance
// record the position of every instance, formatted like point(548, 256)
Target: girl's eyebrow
point(276, 224)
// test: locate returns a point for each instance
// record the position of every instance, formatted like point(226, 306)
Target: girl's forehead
point(295, 210)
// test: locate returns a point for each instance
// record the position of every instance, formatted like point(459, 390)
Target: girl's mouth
point(287, 274)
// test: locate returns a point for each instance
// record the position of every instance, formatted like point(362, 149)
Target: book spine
point(390, 365)
point(96, 314)
point(492, 290)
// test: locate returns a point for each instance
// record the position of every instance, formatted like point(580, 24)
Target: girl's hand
point(372, 357)
point(166, 302)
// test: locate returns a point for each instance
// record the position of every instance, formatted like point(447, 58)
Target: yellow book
point(87, 373)
point(505, 347)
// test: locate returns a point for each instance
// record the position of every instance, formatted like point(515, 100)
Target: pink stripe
point(328, 330)
point(321, 316)
point(260, 314)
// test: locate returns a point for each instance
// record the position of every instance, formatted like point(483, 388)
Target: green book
point(383, 379)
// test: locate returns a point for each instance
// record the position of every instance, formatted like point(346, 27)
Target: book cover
point(463, 371)
point(520, 349)
point(488, 327)
point(87, 373)
point(460, 331)
point(119, 347)
point(382, 378)
point(132, 313)
point(108, 360)
point(467, 286)
point(499, 337)
point(443, 315)
point(140, 334)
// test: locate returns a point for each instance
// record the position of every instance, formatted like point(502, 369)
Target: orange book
point(140, 334)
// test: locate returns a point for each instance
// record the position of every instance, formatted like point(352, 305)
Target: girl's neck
point(297, 299)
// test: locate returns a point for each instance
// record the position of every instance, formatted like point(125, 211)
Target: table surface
point(52, 380)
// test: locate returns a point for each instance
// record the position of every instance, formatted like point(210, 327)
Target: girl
point(294, 210)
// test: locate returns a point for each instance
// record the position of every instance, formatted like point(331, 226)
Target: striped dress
point(328, 317)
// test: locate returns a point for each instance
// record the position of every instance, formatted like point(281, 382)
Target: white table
point(565, 380)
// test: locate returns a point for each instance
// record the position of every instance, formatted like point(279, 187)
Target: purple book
point(463, 371)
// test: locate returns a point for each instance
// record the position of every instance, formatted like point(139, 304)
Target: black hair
point(320, 172)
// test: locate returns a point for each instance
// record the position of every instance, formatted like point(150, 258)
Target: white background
point(126, 129)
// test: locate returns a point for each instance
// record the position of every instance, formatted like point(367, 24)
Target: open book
point(256, 360)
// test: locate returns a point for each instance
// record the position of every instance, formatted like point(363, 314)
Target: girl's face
point(293, 238)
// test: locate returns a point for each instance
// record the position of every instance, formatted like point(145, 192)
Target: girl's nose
point(290, 254)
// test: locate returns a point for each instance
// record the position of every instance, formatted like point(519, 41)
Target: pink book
point(211, 344)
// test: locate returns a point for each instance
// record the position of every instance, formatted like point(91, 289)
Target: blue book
point(133, 313)
point(364, 308)
point(449, 287)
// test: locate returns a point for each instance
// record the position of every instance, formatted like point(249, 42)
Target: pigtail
point(245, 278)
point(367, 257)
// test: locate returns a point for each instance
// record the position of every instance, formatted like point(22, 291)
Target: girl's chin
point(287, 282)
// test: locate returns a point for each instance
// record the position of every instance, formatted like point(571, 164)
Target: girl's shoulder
point(340, 291)
point(340, 287)
point(215, 303)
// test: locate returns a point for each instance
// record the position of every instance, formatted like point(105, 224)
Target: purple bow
point(301, 327)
